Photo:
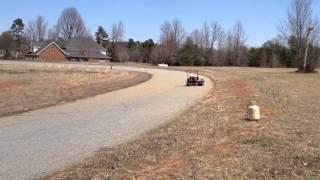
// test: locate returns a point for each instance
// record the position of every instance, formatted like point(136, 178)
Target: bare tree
point(297, 29)
point(36, 29)
point(239, 38)
point(53, 33)
point(71, 25)
point(178, 32)
point(117, 32)
point(166, 30)
point(171, 38)
point(30, 31)
point(216, 33)
point(41, 28)
point(7, 43)
point(197, 38)
point(206, 35)
point(229, 47)
point(166, 42)
point(172, 33)
point(220, 49)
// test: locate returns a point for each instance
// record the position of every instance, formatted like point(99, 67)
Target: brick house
point(73, 50)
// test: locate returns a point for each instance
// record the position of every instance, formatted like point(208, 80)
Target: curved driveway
point(35, 143)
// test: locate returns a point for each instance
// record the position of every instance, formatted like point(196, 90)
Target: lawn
point(213, 140)
point(26, 88)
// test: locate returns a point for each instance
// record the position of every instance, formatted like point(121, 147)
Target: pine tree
point(16, 31)
point(101, 36)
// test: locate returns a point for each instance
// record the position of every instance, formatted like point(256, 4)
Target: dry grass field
point(24, 88)
point(214, 141)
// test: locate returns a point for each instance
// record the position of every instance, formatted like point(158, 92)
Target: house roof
point(46, 45)
point(75, 48)
point(86, 54)
point(83, 43)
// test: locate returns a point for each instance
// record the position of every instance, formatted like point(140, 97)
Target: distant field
point(23, 89)
point(213, 139)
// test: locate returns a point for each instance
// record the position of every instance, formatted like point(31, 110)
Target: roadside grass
point(24, 88)
point(213, 141)
point(293, 127)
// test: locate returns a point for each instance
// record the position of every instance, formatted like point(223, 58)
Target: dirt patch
point(213, 140)
point(24, 89)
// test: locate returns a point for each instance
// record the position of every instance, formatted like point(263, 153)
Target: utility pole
point(307, 47)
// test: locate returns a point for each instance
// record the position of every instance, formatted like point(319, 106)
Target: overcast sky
point(142, 18)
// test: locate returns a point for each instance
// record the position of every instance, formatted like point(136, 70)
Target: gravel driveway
point(39, 142)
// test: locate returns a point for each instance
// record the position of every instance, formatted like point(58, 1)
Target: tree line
point(297, 43)
point(211, 45)
point(17, 40)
